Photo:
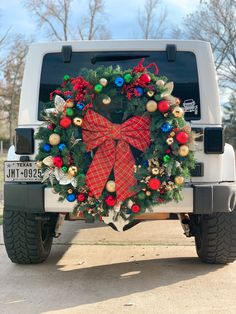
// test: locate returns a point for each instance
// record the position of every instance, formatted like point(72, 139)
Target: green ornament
point(141, 195)
point(98, 88)
point(128, 78)
point(157, 97)
point(166, 158)
point(69, 112)
point(64, 168)
point(66, 77)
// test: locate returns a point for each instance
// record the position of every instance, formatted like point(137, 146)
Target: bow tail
point(100, 168)
point(124, 171)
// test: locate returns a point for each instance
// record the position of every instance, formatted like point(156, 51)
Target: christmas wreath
point(115, 141)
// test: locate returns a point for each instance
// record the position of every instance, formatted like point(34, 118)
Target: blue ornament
point(68, 96)
point(46, 148)
point(145, 163)
point(139, 90)
point(166, 127)
point(119, 81)
point(80, 106)
point(61, 146)
point(71, 197)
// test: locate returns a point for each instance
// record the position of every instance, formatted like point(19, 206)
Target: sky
point(121, 16)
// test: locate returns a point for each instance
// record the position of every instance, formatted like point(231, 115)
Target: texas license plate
point(22, 171)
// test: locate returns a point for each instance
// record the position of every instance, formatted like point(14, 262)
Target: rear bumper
point(197, 199)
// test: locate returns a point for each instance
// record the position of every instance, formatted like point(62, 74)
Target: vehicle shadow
point(58, 284)
point(99, 283)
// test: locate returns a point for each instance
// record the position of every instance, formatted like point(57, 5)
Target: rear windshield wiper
point(104, 58)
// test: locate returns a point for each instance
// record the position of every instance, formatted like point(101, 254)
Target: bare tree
point(151, 24)
point(10, 85)
point(215, 21)
point(53, 14)
point(56, 17)
point(3, 42)
point(230, 120)
point(90, 26)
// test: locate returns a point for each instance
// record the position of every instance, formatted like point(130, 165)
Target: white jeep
point(32, 211)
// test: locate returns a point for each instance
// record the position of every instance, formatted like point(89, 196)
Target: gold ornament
point(178, 112)
point(150, 93)
point(69, 103)
point(179, 180)
point(106, 101)
point(155, 171)
point(69, 191)
point(103, 82)
point(72, 171)
point(54, 139)
point(148, 193)
point(183, 150)
point(172, 134)
point(111, 186)
point(170, 141)
point(160, 83)
point(78, 121)
point(151, 106)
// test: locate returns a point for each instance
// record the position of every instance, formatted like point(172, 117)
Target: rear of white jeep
point(32, 211)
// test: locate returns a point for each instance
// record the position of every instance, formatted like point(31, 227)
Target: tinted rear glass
point(182, 71)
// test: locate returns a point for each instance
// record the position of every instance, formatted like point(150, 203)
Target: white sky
point(122, 15)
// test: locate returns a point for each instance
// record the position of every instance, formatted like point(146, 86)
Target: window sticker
point(190, 106)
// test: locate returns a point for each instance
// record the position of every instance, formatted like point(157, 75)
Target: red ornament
point(110, 200)
point(58, 162)
point(81, 197)
point(163, 106)
point(182, 137)
point(154, 183)
point(65, 122)
point(135, 208)
point(51, 127)
point(145, 78)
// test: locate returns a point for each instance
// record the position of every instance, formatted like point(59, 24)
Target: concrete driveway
point(151, 268)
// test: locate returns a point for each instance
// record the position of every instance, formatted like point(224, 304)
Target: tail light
point(24, 141)
point(214, 140)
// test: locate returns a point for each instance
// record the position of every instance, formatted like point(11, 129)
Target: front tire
point(215, 237)
point(28, 237)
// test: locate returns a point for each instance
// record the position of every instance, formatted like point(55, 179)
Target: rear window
point(182, 71)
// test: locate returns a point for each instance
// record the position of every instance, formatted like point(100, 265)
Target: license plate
point(22, 171)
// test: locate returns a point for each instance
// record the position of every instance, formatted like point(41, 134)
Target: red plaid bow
point(100, 132)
